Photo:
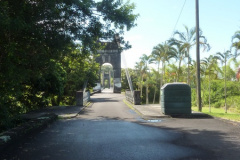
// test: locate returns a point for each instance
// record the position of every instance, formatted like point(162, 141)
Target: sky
point(219, 20)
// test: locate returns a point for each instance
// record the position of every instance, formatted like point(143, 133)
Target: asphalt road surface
point(110, 130)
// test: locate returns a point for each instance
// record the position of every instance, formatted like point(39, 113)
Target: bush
point(234, 103)
point(217, 104)
point(217, 94)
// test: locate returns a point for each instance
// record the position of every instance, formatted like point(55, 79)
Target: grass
point(220, 113)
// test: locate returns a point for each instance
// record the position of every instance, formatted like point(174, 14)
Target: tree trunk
point(179, 69)
point(163, 73)
point(188, 69)
point(147, 102)
point(160, 92)
point(188, 77)
point(154, 95)
point(225, 87)
point(209, 92)
point(160, 83)
point(141, 86)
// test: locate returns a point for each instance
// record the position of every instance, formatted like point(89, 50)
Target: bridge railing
point(134, 97)
point(82, 98)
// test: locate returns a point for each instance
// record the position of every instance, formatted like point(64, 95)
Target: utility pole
point(199, 100)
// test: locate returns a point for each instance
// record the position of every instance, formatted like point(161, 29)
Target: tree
point(188, 39)
point(171, 73)
point(140, 70)
point(224, 57)
point(134, 78)
point(236, 43)
point(155, 79)
point(158, 57)
point(179, 55)
point(37, 36)
point(209, 64)
point(162, 53)
point(146, 60)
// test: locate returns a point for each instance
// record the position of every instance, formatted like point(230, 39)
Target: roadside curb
point(235, 123)
point(15, 135)
point(69, 116)
point(193, 115)
point(145, 117)
point(131, 107)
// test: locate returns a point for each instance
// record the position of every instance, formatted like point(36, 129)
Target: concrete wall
point(135, 98)
point(82, 98)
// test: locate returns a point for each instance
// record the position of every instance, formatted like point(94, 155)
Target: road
point(108, 129)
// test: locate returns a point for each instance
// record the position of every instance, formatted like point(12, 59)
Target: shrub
point(217, 94)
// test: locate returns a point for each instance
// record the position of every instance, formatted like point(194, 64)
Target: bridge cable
point(178, 17)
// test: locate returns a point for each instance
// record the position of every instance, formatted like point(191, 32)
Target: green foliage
point(134, 77)
point(79, 68)
point(194, 96)
point(234, 103)
point(218, 97)
point(212, 74)
point(40, 62)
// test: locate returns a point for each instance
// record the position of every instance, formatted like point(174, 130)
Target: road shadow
point(102, 100)
point(218, 139)
point(194, 115)
point(214, 141)
point(215, 144)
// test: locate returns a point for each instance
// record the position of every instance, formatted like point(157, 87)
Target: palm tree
point(140, 69)
point(224, 57)
point(188, 39)
point(180, 55)
point(146, 60)
point(155, 77)
point(236, 43)
point(209, 64)
point(158, 57)
point(161, 54)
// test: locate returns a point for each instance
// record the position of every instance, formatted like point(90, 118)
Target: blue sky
point(219, 20)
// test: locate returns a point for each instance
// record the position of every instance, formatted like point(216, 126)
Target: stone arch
point(106, 75)
point(112, 54)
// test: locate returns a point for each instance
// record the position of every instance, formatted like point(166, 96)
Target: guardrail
point(82, 98)
point(134, 97)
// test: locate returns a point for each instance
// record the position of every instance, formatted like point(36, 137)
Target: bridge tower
point(111, 53)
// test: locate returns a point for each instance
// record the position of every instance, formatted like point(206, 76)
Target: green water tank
point(176, 99)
